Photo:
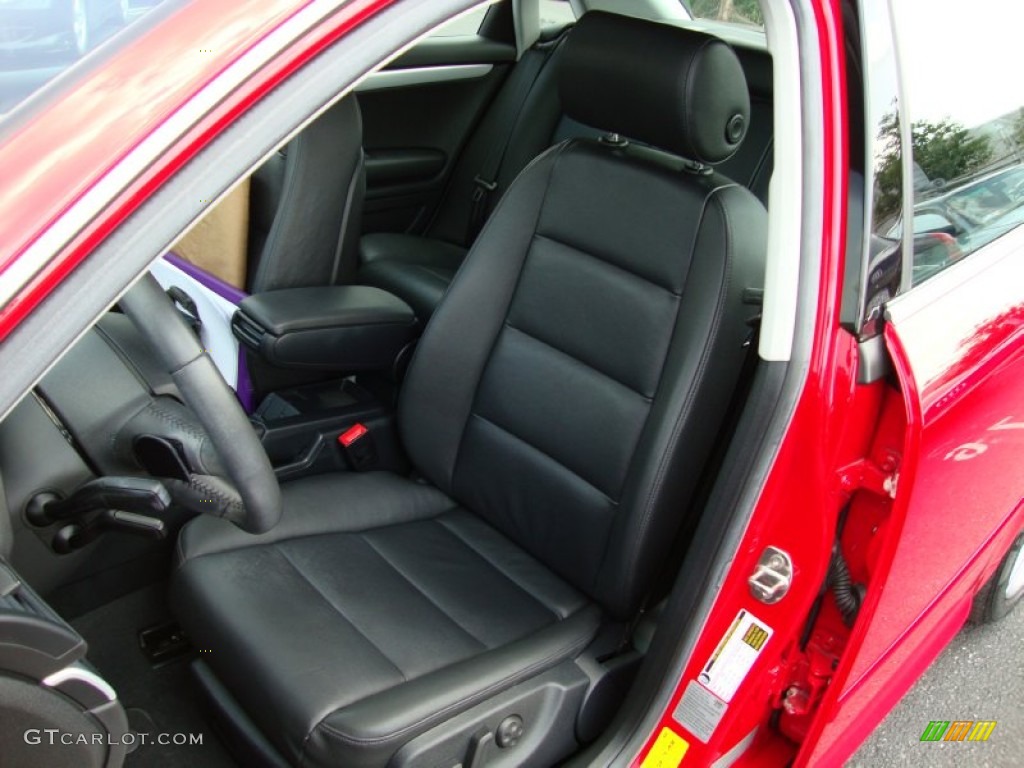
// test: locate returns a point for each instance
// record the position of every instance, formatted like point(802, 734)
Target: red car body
point(931, 470)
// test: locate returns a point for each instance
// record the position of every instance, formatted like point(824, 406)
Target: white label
point(735, 655)
point(699, 711)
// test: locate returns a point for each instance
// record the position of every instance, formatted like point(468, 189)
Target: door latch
point(772, 577)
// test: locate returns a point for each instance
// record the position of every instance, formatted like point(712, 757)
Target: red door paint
point(957, 345)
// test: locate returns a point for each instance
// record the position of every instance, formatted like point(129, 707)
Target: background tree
point(888, 185)
point(743, 11)
point(1018, 129)
point(945, 150)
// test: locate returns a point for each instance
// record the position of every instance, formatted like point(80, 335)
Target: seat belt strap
point(486, 181)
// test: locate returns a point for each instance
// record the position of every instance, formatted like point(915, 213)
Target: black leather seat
point(306, 205)
point(559, 410)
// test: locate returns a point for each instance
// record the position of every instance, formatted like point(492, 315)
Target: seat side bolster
point(367, 731)
point(692, 402)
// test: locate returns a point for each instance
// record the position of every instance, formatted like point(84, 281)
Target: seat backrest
point(570, 385)
point(306, 205)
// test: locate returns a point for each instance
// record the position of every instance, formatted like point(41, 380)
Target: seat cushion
point(376, 609)
point(416, 269)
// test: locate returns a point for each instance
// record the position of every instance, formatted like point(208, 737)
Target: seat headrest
point(673, 88)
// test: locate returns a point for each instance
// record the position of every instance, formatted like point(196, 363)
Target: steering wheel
point(257, 506)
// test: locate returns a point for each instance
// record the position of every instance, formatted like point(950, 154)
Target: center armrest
point(338, 328)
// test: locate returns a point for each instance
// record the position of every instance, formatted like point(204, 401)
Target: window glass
point(882, 158)
point(41, 38)
point(553, 13)
point(965, 103)
point(468, 24)
point(556, 13)
point(735, 11)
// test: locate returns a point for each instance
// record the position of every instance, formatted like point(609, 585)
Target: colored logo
point(958, 730)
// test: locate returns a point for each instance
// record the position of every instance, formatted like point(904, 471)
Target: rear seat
point(419, 268)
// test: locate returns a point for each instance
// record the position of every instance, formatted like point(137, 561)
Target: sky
point(963, 60)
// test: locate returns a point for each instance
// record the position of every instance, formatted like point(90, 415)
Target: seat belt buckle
point(482, 188)
point(359, 447)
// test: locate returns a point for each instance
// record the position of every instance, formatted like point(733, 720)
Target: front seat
point(558, 411)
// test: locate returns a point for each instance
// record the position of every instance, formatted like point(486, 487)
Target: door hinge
point(806, 677)
point(881, 479)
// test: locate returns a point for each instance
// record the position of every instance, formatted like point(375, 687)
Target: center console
point(335, 424)
point(344, 328)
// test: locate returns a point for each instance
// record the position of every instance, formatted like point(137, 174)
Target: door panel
point(962, 340)
point(947, 210)
point(958, 342)
point(957, 331)
point(417, 115)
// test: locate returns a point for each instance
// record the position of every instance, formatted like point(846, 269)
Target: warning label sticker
point(699, 711)
point(734, 656)
point(667, 752)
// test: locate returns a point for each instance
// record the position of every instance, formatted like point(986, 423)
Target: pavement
point(980, 676)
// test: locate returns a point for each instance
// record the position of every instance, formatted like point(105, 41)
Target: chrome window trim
point(402, 78)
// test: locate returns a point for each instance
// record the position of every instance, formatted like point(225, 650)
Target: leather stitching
point(177, 421)
point(607, 262)
point(578, 361)
point(337, 609)
point(546, 455)
point(519, 585)
point(426, 597)
point(690, 114)
point(232, 506)
point(553, 156)
point(684, 412)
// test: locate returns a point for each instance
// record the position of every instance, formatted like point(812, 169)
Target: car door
point(955, 337)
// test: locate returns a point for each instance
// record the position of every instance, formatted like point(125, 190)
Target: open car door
point(949, 302)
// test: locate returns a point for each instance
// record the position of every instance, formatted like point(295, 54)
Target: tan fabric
point(218, 242)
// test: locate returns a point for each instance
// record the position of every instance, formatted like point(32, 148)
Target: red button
point(352, 434)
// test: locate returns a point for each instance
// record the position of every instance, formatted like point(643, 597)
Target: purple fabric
point(244, 390)
point(215, 284)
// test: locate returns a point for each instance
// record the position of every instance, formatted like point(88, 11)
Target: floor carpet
point(160, 699)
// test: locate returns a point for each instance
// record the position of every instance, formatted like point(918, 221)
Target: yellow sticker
point(667, 752)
